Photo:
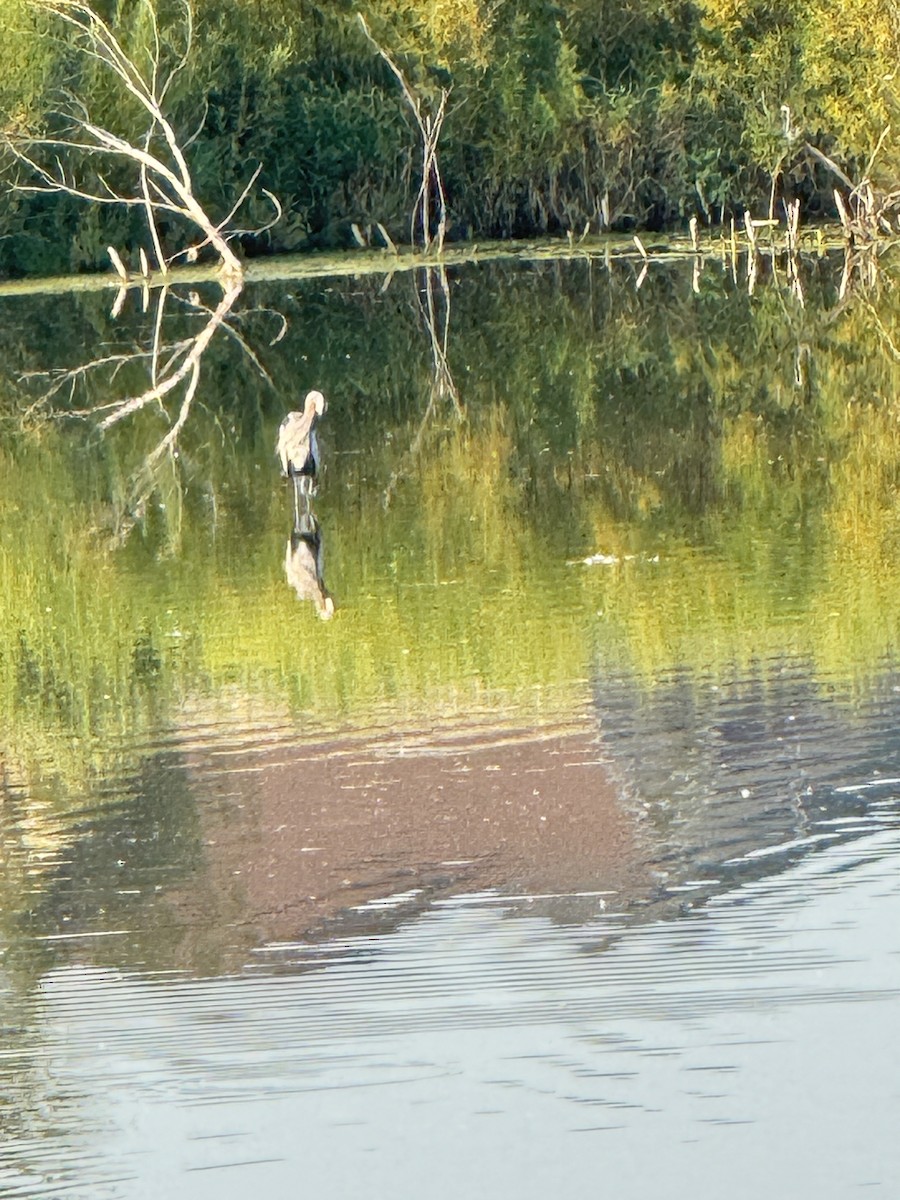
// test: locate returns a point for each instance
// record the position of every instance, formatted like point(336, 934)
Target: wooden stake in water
point(751, 231)
point(792, 210)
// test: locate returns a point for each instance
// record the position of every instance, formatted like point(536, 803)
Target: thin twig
point(430, 130)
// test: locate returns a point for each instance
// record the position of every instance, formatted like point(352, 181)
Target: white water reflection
point(745, 1049)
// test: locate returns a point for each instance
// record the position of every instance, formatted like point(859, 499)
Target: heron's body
point(297, 447)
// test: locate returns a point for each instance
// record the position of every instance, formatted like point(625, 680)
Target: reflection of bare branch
point(157, 333)
point(860, 271)
point(165, 183)
point(172, 436)
point(182, 363)
point(284, 325)
point(171, 376)
point(73, 375)
point(887, 341)
point(438, 326)
point(435, 311)
point(229, 329)
point(249, 351)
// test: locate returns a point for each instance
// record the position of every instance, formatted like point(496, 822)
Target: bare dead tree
point(431, 196)
point(164, 183)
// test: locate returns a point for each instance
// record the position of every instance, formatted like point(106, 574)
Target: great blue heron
point(297, 447)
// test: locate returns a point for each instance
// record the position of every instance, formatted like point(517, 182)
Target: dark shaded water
point(564, 856)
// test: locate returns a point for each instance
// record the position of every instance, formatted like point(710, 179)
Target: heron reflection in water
point(304, 563)
point(298, 450)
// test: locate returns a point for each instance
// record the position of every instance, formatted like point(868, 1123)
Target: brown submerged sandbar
point(305, 839)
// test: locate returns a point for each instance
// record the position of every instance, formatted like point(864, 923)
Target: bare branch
point(183, 60)
point(832, 166)
point(151, 222)
point(242, 197)
point(256, 230)
point(199, 127)
point(164, 178)
point(430, 126)
point(411, 98)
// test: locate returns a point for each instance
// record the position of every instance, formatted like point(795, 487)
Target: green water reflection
point(728, 463)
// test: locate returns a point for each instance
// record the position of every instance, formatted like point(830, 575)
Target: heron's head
point(316, 401)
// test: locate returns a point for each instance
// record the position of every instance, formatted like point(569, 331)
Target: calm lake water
point(563, 855)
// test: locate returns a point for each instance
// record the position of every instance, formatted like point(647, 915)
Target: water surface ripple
point(744, 978)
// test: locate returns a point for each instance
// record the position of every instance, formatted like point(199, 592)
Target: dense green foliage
point(646, 110)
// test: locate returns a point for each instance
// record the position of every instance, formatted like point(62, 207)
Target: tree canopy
point(638, 113)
